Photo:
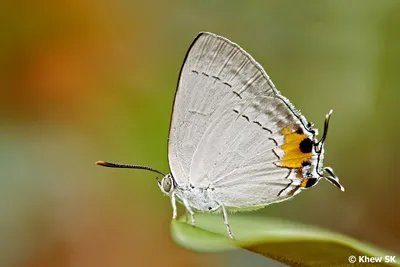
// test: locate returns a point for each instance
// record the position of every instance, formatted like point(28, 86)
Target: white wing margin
point(216, 76)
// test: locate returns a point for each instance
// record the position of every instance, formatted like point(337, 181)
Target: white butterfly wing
point(239, 155)
point(199, 95)
point(226, 123)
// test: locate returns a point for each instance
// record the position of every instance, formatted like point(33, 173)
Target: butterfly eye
point(166, 183)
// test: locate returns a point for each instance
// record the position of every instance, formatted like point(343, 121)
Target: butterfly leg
point(173, 203)
point(189, 210)
point(228, 228)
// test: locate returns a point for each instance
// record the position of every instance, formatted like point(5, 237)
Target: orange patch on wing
point(304, 182)
point(293, 157)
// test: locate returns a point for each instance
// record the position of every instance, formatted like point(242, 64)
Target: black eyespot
point(306, 145)
point(209, 208)
point(311, 182)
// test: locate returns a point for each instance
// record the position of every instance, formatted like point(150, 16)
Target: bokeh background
point(82, 81)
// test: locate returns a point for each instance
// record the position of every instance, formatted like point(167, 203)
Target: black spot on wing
point(306, 145)
point(237, 94)
point(273, 150)
point(266, 129)
point(311, 182)
point(299, 131)
point(247, 118)
point(227, 84)
point(289, 172)
point(280, 192)
point(272, 139)
point(258, 123)
point(305, 163)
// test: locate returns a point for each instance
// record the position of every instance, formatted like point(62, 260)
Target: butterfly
point(235, 142)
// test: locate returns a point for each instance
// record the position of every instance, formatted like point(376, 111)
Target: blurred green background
point(83, 81)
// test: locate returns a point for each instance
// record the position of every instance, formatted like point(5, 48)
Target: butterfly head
point(167, 184)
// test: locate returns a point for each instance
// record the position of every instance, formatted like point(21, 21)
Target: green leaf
point(288, 242)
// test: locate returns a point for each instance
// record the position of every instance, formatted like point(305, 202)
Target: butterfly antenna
point(128, 166)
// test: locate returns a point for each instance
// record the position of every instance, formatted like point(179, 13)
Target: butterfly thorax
point(197, 198)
